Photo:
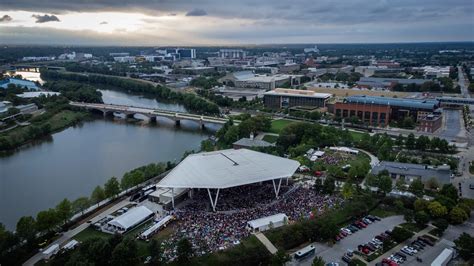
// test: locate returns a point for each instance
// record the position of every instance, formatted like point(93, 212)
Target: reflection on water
point(69, 164)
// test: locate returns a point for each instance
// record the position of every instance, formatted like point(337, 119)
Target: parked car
point(346, 259)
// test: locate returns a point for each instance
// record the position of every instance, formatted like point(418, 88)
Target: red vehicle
point(338, 238)
point(361, 224)
point(366, 251)
point(318, 173)
point(389, 262)
point(343, 233)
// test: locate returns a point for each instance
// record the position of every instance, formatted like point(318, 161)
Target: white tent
point(131, 218)
point(264, 223)
point(228, 168)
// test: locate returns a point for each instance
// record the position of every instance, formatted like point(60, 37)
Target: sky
point(233, 22)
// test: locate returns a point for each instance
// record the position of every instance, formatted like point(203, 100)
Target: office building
point(232, 53)
point(286, 98)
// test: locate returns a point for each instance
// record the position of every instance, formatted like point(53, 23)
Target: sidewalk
point(260, 236)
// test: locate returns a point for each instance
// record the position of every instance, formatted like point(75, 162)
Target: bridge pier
point(177, 122)
point(152, 119)
point(131, 115)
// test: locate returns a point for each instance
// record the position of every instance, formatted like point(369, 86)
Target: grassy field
point(357, 136)
point(270, 138)
point(278, 125)
point(89, 233)
point(413, 227)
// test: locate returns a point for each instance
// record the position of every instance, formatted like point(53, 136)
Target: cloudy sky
point(204, 22)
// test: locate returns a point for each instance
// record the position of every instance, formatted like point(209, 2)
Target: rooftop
point(429, 104)
point(266, 220)
point(425, 172)
point(248, 142)
point(132, 217)
point(298, 93)
point(228, 168)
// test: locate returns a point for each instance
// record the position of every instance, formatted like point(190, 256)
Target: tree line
point(191, 101)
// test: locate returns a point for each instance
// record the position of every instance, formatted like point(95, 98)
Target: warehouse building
point(286, 98)
point(409, 171)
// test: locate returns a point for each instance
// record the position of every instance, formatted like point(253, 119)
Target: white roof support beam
point(275, 188)
point(213, 202)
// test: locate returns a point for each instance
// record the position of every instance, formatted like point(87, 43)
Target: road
point(66, 236)
point(463, 83)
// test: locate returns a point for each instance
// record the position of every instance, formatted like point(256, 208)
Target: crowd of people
point(213, 231)
point(236, 198)
point(335, 158)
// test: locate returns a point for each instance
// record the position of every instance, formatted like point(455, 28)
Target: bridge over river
point(152, 114)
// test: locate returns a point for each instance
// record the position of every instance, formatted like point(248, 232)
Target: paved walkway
point(260, 236)
point(399, 246)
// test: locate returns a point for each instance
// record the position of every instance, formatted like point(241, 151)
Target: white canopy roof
point(257, 223)
point(228, 168)
point(132, 217)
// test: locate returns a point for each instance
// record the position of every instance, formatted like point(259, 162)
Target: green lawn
point(270, 138)
point(89, 233)
point(413, 227)
point(356, 136)
point(278, 125)
point(382, 213)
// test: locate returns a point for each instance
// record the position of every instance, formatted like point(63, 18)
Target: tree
point(385, 183)
point(125, 253)
point(417, 187)
point(318, 261)
point(409, 216)
point(449, 191)
point(441, 224)
point(80, 204)
point(436, 209)
point(420, 204)
point(465, 245)
point(347, 190)
point(410, 141)
point(329, 185)
point(26, 228)
point(155, 252)
point(432, 183)
point(422, 218)
point(280, 258)
point(206, 145)
point(457, 215)
point(184, 249)
point(46, 220)
point(98, 195)
point(112, 187)
point(400, 234)
point(64, 210)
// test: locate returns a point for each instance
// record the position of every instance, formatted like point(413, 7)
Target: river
point(72, 162)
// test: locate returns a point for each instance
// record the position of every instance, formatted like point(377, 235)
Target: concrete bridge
point(152, 114)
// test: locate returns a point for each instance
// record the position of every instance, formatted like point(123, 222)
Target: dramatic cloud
point(45, 18)
point(196, 13)
point(250, 21)
point(5, 18)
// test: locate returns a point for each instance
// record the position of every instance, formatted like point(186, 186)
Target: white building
point(124, 59)
point(269, 222)
point(434, 71)
point(130, 219)
point(232, 53)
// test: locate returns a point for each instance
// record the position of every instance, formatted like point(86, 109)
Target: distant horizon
point(233, 45)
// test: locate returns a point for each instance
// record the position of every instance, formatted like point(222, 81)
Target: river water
point(72, 162)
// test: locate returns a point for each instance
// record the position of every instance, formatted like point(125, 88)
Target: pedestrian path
point(260, 236)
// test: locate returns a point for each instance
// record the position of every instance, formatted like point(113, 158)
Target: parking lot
point(335, 253)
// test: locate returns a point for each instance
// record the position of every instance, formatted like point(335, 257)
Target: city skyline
point(235, 23)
